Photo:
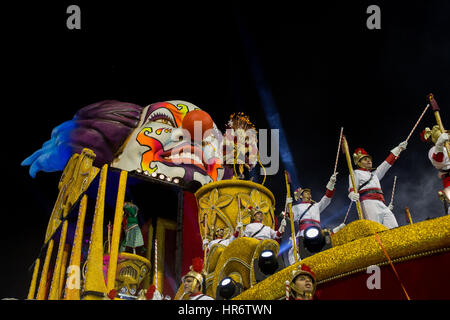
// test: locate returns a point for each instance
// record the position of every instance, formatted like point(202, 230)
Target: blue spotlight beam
point(268, 103)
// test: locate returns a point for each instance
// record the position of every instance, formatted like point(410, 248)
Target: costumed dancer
point(193, 282)
point(256, 229)
point(240, 145)
point(368, 185)
point(133, 235)
point(438, 157)
point(307, 211)
point(219, 239)
point(303, 283)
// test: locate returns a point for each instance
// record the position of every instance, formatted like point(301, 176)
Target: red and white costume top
point(441, 162)
point(372, 190)
point(224, 242)
point(312, 216)
point(199, 296)
point(371, 196)
point(260, 231)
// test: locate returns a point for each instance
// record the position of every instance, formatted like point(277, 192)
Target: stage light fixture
point(228, 288)
point(267, 262)
point(314, 239)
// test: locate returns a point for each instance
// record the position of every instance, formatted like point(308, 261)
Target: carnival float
point(139, 202)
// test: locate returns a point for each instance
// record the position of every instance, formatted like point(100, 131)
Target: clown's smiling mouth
point(185, 154)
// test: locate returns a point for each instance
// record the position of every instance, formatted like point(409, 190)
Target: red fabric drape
point(192, 241)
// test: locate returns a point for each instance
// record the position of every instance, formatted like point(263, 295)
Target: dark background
point(317, 61)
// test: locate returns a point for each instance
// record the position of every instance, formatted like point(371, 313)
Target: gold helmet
point(226, 232)
point(431, 134)
point(305, 270)
point(359, 154)
point(196, 270)
point(253, 211)
point(298, 193)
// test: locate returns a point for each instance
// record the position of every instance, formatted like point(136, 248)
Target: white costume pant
point(292, 257)
point(376, 210)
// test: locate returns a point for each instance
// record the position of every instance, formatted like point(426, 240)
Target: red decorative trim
point(195, 294)
point(438, 157)
point(446, 181)
point(304, 223)
point(372, 196)
point(391, 159)
point(329, 193)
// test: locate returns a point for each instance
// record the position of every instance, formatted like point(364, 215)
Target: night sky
point(317, 64)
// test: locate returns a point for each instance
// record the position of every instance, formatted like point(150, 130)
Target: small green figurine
point(133, 236)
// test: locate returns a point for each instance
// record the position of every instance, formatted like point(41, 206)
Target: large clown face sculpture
point(174, 138)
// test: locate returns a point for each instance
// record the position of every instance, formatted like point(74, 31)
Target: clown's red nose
point(196, 123)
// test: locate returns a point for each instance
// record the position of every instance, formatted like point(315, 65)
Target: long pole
point(408, 215)
point(420, 118)
point(156, 264)
point(352, 174)
point(288, 191)
point(205, 236)
point(339, 147)
point(393, 190)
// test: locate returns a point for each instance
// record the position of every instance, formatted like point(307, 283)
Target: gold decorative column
point(95, 285)
point(43, 281)
point(118, 217)
point(73, 281)
point(32, 289)
point(54, 288)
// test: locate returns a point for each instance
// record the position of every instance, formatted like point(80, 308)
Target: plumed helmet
point(195, 271)
point(253, 211)
point(359, 154)
point(298, 193)
point(430, 135)
point(305, 270)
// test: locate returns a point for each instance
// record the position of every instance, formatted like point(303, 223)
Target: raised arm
point(392, 157)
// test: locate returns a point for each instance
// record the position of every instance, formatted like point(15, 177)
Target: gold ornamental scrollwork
point(211, 208)
point(225, 203)
point(75, 179)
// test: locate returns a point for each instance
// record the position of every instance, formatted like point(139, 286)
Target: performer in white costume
point(219, 239)
point(307, 212)
point(193, 282)
point(439, 157)
point(256, 229)
point(369, 189)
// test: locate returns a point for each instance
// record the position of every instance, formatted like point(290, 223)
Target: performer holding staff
point(367, 189)
point(307, 211)
point(364, 185)
point(439, 153)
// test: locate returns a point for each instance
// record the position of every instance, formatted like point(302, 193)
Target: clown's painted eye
point(165, 121)
point(164, 116)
